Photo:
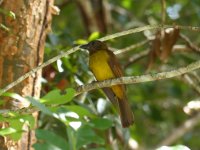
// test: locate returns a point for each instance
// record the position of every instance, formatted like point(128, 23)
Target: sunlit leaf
point(58, 96)
point(93, 36)
point(7, 131)
point(12, 14)
point(126, 3)
point(81, 41)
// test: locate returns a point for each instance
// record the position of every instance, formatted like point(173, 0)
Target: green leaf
point(8, 13)
point(126, 3)
point(14, 96)
point(72, 138)
point(12, 14)
point(67, 63)
point(86, 135)
point(28, 119)
point(56, 96)
point(16, 136)
point(81, 41)
point(7, 131)
point(101, 123)
point(44, 146)
point(81, 111)
point(12, 132)
point(40, 106)
point(52, 138)
point(94, 36)
point(16, 122)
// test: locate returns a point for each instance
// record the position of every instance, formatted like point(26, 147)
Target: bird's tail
point(126, 114)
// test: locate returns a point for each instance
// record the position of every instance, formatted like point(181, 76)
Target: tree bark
point(22, 39)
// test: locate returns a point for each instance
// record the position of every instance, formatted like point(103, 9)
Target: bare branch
point(131, 47)
point(136, 57)
point(138, 79)
point(192, 83)
point(72, 50)
point(189, 43)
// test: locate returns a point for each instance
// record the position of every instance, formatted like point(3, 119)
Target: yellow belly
point(98, 64)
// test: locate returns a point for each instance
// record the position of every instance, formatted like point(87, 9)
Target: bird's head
point(94, 46)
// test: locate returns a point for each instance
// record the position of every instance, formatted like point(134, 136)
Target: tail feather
point(126, 114)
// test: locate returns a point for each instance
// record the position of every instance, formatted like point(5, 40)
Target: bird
point(104, 65)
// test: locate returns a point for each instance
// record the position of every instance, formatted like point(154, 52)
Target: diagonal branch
point(189, 43)
point(72, 50)
point(138, 79)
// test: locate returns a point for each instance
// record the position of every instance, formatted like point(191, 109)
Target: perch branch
point(138, 79)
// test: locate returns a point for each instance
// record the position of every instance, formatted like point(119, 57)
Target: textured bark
point(21, 49)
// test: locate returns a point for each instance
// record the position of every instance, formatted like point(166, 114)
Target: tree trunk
point(22, 39)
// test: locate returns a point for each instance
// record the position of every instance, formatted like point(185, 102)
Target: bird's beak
point(84, 46)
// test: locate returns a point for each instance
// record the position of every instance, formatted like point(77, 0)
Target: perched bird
point(104, 65)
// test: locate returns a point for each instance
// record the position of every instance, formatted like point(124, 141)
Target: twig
point(196, 76)
point(180, 131)
point(72, 50)
point(34, 70)
point(189, 43)
point(138, 79)
point(136, 57)
point(191, 82)
point(131, 47)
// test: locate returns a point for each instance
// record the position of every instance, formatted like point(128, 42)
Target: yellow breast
point(98, 64)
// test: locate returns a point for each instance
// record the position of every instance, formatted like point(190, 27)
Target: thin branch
point(72, 50)
point(189, 43)
point(148, 27)
point(142, 54)
point(138, 79)
point(131, 47)
point(180, 131)
point(195, 74)
point(34, 70)
point(136, 57)
point(192, 83)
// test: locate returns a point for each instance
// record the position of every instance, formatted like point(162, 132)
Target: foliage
point(68, 122)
